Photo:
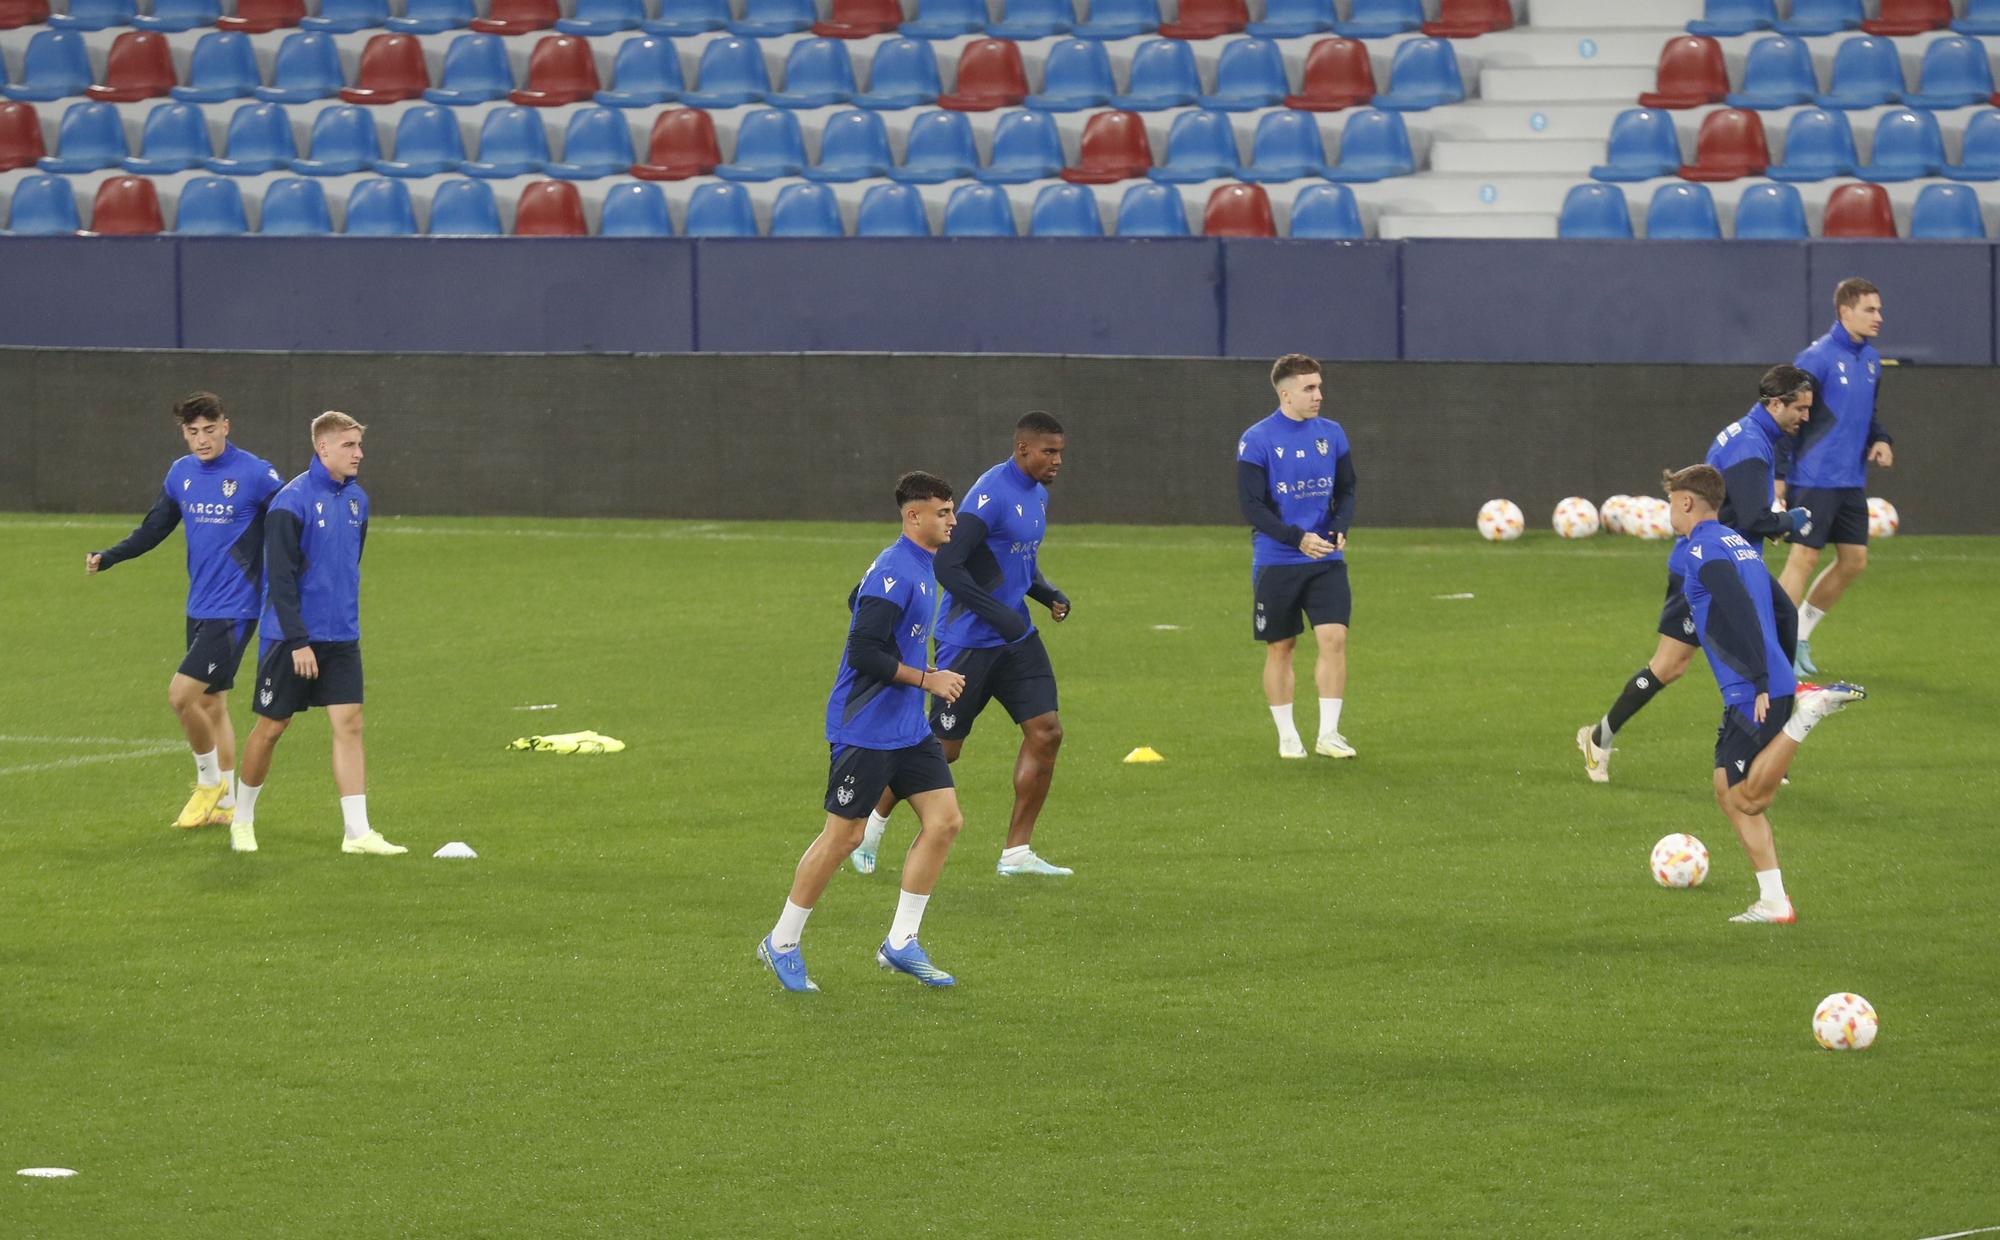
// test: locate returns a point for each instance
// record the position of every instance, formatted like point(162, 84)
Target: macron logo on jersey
point(888, 583)
point(983, 501)
point(1695, 551)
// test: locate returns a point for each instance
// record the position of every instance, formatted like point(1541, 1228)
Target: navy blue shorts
point(1018, 676)
point(1283, 592)
point(857, 777)
point(1839, 515)
point(1740, 738)
point(1677, 614)
point(215, 650)
point(282, 692)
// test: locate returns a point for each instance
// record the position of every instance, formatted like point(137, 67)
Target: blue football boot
point(790, 966)
point(910, 959)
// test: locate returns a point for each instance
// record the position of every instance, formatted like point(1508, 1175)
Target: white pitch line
point(78, 740)
point(1977, 1231)
point(88, 759)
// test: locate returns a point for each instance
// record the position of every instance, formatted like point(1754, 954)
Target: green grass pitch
point(1430, 992)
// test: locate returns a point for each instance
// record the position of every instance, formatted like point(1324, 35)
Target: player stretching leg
point(1729, 593)
point(220, 491)
point(879, 740)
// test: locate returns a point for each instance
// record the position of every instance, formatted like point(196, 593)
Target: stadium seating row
point(1771, 213)
point(1813, 17)
point(1819, 144)
point(1867, 72)
point(381, 207)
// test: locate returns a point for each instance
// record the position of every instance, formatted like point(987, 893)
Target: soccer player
point(220, 491)
point(1745, 453)
point(988, 571)
point(879, 739)
point(1295, 486)
point(311, 654)
point(1829, 467)
point(1729, 593)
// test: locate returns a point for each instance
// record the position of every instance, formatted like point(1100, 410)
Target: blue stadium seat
point(1378, 19)
point(44, 206)
point(175, 139)
point(1778, 73)
point(1817, 17)
point(1076, 75)
point(1723, 18)
point(1982, 17)
point(635, 209)
point(940, 148)
point(806, 211)
point(768, 146)
point(1947, 213)
point(1249, 75)
point(1423, 75)
point(720, 210)
point(1026, 147)
point(90, 137)
point(1818, 144)
point(1152, 210)
point(307, 68)
point(1287, 146)
point(689, 17)
point(1955, 75)
point(818, 74)
point(1643, 145)
point(731, 72)
point(1374, 146)
point(462, 208)
point(1980, 160)
point(347, 16)
point(53, 67)
point(1120, 19)
point(1866, 74)
point(1291, 19)
point(212, 207)
point(903, 74)
point(1201, 146)
point(427, 142)
point(1594, 212)
point(853, 146)
point(1033, 19)
point(764, 18)
point(600, 17)
point(1771, 213)
point(475, 71)
point(946, 19)
point(222, 67)
point(343, 140)
point(259, 140)
point(178, 15)
point(94, 15)
point(1162, 76)
point(512, 143)
point(1326, 213)
point(596, 143)
point(295, 207)
point(1065, 211)
point(1908, 145)
point(645, 72)
point(380, 207)
point(891, 211)
point(1682, 213)
point(433, 16)
point(979, 211)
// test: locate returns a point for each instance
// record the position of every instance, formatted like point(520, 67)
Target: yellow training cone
point(1144, 753)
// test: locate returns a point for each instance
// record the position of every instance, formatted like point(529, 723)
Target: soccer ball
point(1882, 518)
point(1651, 521)
point(1845, 1022)
point(1576, 517)
point(1500, 520)
point(1680, 860)
point(1616, 513)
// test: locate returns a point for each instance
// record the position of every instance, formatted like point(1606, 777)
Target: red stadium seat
point(20, 136)
point(857, 19)
point(1466, 19)
point(140, 66)
point(126, 207)
point(682, 145)
point(1901, 17)
point(990, 75)
point(560, 70)
point(1859, 211)
point(517, 17)
point(1691, 73)
point(1238, 211)
point(259, 16)
point(1206, 19)
point(1338, 75)
point(17, 13)
point(392, 70)
point(1730, 145)
point(550, 209)
point(1114, 148)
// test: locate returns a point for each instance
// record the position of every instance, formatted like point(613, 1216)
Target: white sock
point(1288, 732)
point(354, 815)
point(1809, 618)
point(791, 924)
point(228, 800)
point(1019, 852)
point(1802, 722)
point(872, 836)
point(207, 769)
point(909, 916)
point(1771, 887)
point(246, 803)
point(1329, 717)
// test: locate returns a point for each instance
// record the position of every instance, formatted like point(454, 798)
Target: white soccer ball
point(1575, 517)
point(1500, 520)
point(1615, 513)
point(1652, 521)
point(1680, 860)
point(1845, 1022)
point(1882, 518)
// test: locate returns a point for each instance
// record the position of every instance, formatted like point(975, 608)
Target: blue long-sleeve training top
point(313, 540)
point(893, 610)
point(1729, 589)
point(222, 504)
point(1293, 479)
point(991, 566)
point(1831, 449)
point(1746, 452)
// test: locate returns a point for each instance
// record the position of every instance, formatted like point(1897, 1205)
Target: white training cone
point(457, 848)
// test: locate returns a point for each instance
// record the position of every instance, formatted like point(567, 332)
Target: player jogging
point(988, 572)
point(220, 491)
point(1744, 452)
point(1829, 467)
point(1295, 486)
point(879, 740)
point(1729, 593)
point(311, 652)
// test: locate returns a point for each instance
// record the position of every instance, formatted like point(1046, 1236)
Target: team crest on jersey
point(228, 487)
point(354, 507)
point(319, 508)
point(186, 483)
point(1018, 512)
point(1322, 445)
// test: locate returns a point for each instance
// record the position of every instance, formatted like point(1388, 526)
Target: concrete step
point(1608, 14)
point(1553, 83)
point(1497, 224)
point(1572, 157)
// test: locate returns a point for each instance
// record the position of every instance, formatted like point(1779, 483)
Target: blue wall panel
point(1338, 300)
point(1937, 296)
point(88, 292)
